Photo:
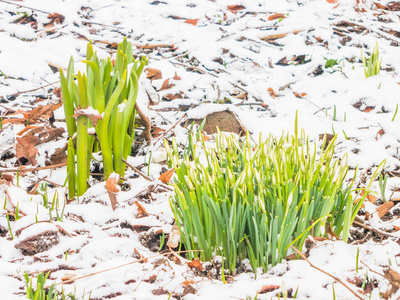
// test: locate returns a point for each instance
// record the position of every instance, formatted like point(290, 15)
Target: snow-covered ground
point(261, 60)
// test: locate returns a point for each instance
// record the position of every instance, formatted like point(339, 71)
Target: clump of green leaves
point(372, 64)
point(242, 200)
point(41, 292)
point(108, 89)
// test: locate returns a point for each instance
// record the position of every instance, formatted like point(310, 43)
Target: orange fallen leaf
point(141, 210)
point(93, 115)
point(396, 228)
point(112, 188)
point(187, 282)
point(379, 133)
point(300, 95)
point(332, 1)
point(276, 16)
point(235, 8)
point(26, 150)
point(192, 21)
point(196, 263)
point(272, 93)
point(268, 288)
point(380, 6)
point(176, 77)
point(153, 74)
point(166, 176)
point(368, 109)
point(166, 85)
point(384, 208)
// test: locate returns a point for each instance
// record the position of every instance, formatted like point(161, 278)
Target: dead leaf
point(112, 188)
point(268, 288)
point(384, 208)
point(176, 77)
point(379, 133)
point(153, 74)
point(166, 85)
point(92, 114)
point(166, 176)
point(141, 210)
point(276, 16)
point(368, 109)
point(151, 279)
point(157, 131)
point(189, 281)
point(170, 97)
point(300, 95)
point(378, 5)
point(196, 263)
point(192, 21)
point(396, 228)
point(26, 150)
point(174, 237)
point(235, 8)
point(332, 1)
point(393, 6)
point(55, 18)
point(159, 292)
point(272, 93)
point(188, 289)
point(140, 255)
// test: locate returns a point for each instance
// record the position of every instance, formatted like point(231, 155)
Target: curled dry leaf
point(89, 112)
point(174, 237)
point(235, 8)
point(153, 74)
point(26, 150)
point(268, 288)
point(141, 210)
point(192, 21)
point(196, 264)
point(272, 93)
point(276, 16)
point(166, 85)
point(112, 189)
point(384, 208)
point(166, 176)
point(176, 77)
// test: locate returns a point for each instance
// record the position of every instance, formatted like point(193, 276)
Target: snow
point(98, 239)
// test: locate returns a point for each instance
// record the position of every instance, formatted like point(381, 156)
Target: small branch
point(124, 265)
point(20, 5)
point(374, 230)
point(137, 171)
point(326, 273)
point(23, 169)
point(172, 127)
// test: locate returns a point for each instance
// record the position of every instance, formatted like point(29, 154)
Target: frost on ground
point(250, 63)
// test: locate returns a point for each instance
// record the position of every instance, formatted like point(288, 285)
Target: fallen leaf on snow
point(272, 93)
point(153, 74)
point(141, 210)
point(235, 8)
point(276, 16)
point(192, 21)
point(112, 189)
point(176, 77)
point(384, 208)
point(166, 176)
point(26, 150)
point(268, 288)
point(196, 263)
point(174, 237)
point(166, 85)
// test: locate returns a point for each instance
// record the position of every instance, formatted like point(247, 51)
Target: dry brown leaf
point(368, 109)
point(393, 6)
point(272, 93)
point(141, 210)
point(170, 97)
point(268, 288)
point(192, 21)
point(332, 1)
point(196, 263)
point(140, 255)
point(166, 85)
point(379, 133)
point(189, 281)
point(112, 188)
point(384, 208)
point(176, 77)
point(276, 16)
point(93, 116)
point(26, 150)
point(300, 95)
point(235, 8)
point(396, 228)
point(157, 131)
point(174, 237)
point(166, 176)
point(153, 74)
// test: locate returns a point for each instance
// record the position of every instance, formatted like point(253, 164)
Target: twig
point(137, 171)
point(23, 169)
point(20, 5)
point(124, 265)
point(326, 273)
point(169, 129)
point(374, 230)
